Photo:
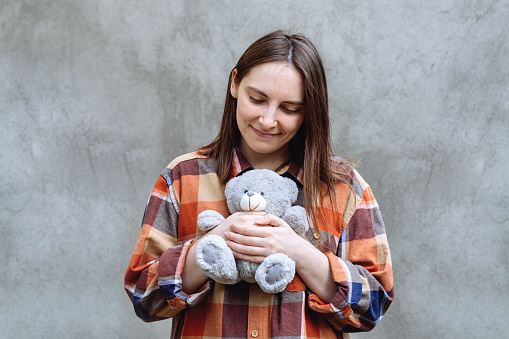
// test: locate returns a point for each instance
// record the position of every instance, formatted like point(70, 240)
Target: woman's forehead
point(276, 79)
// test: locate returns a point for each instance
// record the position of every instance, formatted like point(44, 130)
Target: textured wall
point(96, 97)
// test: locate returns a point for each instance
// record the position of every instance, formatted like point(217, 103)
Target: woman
point(275, 117)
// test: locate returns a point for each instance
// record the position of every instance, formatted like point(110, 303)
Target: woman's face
point(270, 109)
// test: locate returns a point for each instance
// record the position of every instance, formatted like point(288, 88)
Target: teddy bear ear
point(229, 186)
point(292, 188)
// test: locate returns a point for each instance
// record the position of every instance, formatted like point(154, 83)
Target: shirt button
point(254, 333)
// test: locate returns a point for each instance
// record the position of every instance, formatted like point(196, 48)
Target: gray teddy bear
point(255, 190)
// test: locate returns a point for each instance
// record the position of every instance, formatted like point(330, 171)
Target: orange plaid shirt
point(356, 246)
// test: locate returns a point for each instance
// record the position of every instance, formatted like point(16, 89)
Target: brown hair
point(311, 146)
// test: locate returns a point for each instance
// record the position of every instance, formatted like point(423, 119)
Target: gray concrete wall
point(96, 97)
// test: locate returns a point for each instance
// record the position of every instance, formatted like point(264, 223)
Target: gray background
point(96, 97)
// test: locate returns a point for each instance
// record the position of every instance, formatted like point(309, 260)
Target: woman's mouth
point(264, 135)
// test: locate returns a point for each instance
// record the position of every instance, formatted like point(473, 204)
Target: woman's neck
point(271, 161)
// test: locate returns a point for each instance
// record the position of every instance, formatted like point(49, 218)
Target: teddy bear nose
point(249, 193)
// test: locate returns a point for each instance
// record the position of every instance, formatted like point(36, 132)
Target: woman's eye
point(256, 101)
point(290, 110)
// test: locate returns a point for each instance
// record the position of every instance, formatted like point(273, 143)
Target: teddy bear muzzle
point(252, 201)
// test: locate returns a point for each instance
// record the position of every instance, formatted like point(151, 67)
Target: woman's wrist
point(192, 276)
point(314, 269)
point(305, 254)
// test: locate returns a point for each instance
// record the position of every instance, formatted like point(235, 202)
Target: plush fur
point(255, 190)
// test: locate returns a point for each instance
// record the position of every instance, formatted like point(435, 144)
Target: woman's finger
point(248, 253)
point(255, 259)
point(240, 235)
point(246, 216)
point(272, 220)
point(259, 231)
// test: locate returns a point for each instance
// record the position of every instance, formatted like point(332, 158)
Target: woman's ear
point(233, 84)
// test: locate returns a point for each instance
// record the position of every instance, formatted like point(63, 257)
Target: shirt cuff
point(171, 265)
point(339, 303)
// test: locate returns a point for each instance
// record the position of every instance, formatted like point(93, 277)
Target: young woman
point(275, 117)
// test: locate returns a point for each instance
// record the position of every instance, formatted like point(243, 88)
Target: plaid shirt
point(356, 246)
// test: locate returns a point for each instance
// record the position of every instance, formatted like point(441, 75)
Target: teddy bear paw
point(216, 260)
point(209, 219)
point(275, 272)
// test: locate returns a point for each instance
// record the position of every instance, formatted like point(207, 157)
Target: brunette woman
point(275, 117)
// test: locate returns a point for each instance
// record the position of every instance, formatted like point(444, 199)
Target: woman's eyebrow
point(298, 103)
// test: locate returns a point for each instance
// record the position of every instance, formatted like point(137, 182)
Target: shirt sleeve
point(362, 270)
point(153, 278)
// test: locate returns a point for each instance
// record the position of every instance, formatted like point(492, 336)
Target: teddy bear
point(255, 190)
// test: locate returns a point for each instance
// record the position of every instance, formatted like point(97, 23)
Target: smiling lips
point(264, 135)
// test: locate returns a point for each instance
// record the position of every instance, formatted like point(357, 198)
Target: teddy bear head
point(261, 190)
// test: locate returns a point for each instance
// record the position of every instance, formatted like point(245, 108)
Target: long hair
point(311, 146)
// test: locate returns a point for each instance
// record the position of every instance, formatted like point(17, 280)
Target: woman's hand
point(267, 235)
point(271, 234)
point(242, 219)
point(192, 276)
point(252, 236)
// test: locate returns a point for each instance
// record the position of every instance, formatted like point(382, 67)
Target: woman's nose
point(268, 118)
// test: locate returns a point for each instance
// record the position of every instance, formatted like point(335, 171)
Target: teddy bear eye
point(262, 194)
point(245, 191)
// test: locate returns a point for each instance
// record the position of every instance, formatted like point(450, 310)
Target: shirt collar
point(241, 165)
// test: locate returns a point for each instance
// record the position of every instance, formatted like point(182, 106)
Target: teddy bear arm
point(209, 219)
point(296, 218)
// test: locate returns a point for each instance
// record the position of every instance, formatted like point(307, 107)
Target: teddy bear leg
point(216, 260)
point(275, 272)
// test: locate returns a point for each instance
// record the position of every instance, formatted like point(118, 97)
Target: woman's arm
point(153, 280)
point(141, 277)
point(361, 268)
point(192, 275)
point(355, 285)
